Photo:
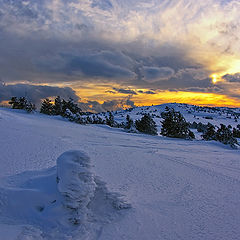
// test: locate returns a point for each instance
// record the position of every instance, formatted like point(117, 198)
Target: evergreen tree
point(64, 107)
point(201, 127)
point(110, 120)
point(14, 102)
point(89, 120)
point(30, 107)
point(47, 107)
point(236, 133)
point(22, 103)
point(70, 105)
point(129, 123)
point(225, 136)
point(210, 133)
point(146, 125)
point(58, 106)
point(100, 120)
point(69, 115)
point(174, 125)
point(193, 125)
point(78, 119)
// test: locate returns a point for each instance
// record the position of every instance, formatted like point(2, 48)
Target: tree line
point(174, 125)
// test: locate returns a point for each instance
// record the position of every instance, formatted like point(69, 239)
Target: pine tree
point(201, 127)
point(78, 119)
point(225, 136)
point(14, 102)
point(110, 120)
point(73, 107)
point(129, 123)
point(174, 125)
point(236, 133)
point(22, 103)
point(89, 120)
point(47, 107)
point(210, 133)
point(58, 106)
point(146, 125)
point(69, 115)
point(30, 107)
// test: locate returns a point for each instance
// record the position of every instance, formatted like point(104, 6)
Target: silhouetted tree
point(22, 103)
point(47, 107)
point(174, 125)
point(110, 120)
point(14, 102)
point(225, 136)
point(236, 133)
point(58, 106)
point(129, 123)
point(146, 125)
point(210, 133)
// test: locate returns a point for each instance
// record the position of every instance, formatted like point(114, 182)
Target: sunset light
point(119, 119)
point(147, 52)
point(214, 78)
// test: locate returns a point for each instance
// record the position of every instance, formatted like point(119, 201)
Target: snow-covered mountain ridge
point(214, 115)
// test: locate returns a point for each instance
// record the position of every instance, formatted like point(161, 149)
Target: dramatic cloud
point(133, 44)
point(125, 91)
point(232, 77)
point(147, 92)
point(111, 105)
point(35, 93)
point(153, 74)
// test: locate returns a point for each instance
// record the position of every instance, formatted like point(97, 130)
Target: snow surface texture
point(177, 189)
point(76, 183)
point(78, 186)
point(215, 116)
point(66, 202)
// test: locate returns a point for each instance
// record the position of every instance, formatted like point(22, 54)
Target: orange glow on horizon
point(103, 93)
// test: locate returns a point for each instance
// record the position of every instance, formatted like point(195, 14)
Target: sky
point(109, 54)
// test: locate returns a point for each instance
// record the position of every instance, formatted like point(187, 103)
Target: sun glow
point(215, 78)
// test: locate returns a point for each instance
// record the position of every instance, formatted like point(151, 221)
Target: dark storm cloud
point(214, 89)
point(232, 77)
point(97, 65)
point(34, 92)
point(110, 105)
point(152, 74)
point(182, 83)
point(125, 91)
point(49, 56)
point(185, 78)
point(124, 42)
point(147, 92)
point(40, 45)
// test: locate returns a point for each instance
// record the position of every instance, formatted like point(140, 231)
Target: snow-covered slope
point(192, 113)
point(177, 189)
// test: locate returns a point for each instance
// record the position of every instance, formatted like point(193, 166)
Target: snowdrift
point(61, 202)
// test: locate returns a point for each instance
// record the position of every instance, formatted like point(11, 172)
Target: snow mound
point(64, 202)
point(75, 182)
point(78, 186)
